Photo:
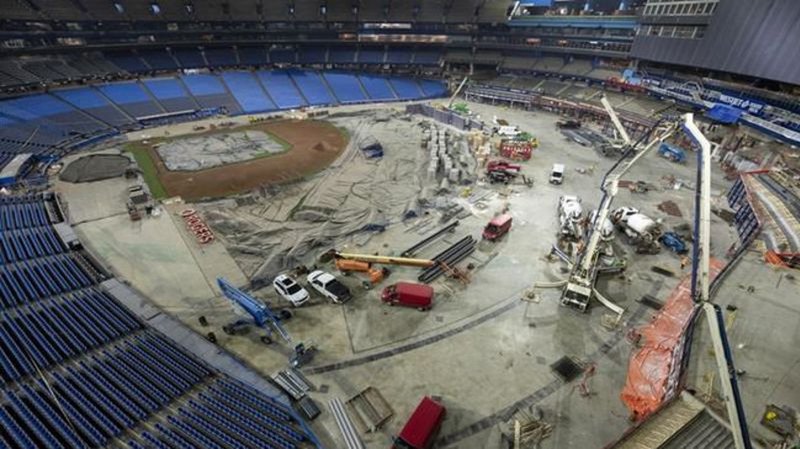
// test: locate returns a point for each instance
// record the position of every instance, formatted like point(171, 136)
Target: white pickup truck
point(327, 285)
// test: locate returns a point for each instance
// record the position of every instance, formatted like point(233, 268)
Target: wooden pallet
point(369, 410)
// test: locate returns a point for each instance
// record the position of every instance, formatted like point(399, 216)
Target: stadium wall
point(743, 37)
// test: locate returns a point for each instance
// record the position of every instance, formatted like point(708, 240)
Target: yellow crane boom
point(385, 260)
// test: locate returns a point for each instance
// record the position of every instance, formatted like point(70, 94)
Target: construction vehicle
point(375, 275)
point(503, 128)
point(606, 228)
point(265, 318)
point(568, 124)
point(328, 286)
point(570, 216)
point(408, 294)
point(642, 231)
point(497, 228)
point(557, 174)
point(580, 285)
point(501, 171)
point(671, 152)
point(403, 261)
point(422, 427)
point(701, 293)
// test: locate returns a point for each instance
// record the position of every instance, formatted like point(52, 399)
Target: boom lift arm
point(263, 316)
point(701, 290)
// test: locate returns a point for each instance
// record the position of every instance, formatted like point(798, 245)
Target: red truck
point(497, 228)
point(408, 294)
point(422, 426)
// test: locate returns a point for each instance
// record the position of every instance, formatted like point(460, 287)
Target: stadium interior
point(590, 210)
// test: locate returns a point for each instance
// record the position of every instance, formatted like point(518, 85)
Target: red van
point(408, 294)
point(422, 427)
point(497, 227)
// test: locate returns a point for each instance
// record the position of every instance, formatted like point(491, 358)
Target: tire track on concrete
point(417, 344)
point(534, 398)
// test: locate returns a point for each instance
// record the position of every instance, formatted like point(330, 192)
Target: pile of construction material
point(448, 259)
point(451, 161)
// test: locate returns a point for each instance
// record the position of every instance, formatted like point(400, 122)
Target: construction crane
point(457, 91)
point(265, 318)
point(579, 288)
point(701, 286)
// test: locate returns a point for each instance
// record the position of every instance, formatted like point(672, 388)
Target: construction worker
point(684, 262)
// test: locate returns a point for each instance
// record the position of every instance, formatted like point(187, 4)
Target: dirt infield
point(314, 146)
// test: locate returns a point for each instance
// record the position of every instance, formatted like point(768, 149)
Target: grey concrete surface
point(482, 349)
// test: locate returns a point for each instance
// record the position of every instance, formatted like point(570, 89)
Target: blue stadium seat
point(220, 57)
point(282, 89)
point(341, 56)
point(174, 438)
point(433, 88)
point(311, 86)
point(406, 88)
point(248, 92)
point(427, 57)
point(253, 56)
point(189, 58)
point(312, 55)
point(370, 56)
point(171, 94)
point(377, 87)
point(398, 56)
point(282, 56)
point(127, 61)
point(198, 438)
point(158, 59)
point(54, 420)
point(16, 433)
point(94, 104)
point(345, 86)
point(210, 93)
point(131, 98)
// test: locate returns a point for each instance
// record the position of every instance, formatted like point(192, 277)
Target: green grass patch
point(345, 132)
point(148, 168)
point(286, 145)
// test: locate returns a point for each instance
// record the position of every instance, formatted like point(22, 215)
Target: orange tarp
point(659, 353)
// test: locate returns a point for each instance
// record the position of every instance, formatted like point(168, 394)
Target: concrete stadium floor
point(482, 349)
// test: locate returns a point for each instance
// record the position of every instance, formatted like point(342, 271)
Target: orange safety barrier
point(773, 258)
point(650, 366)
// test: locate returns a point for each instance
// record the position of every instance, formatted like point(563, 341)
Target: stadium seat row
point(78, 369)
point(68, 117)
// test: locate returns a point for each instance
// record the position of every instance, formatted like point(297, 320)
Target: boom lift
point(391, 260)
point(265, 318)
point(701, 290)
point(579, 288)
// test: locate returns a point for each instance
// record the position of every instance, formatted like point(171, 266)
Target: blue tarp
point(724, 114)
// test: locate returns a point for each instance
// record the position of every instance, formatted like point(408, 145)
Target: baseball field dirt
point(313, 145)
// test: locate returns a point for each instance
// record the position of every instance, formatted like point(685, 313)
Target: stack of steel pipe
point(451, 256)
